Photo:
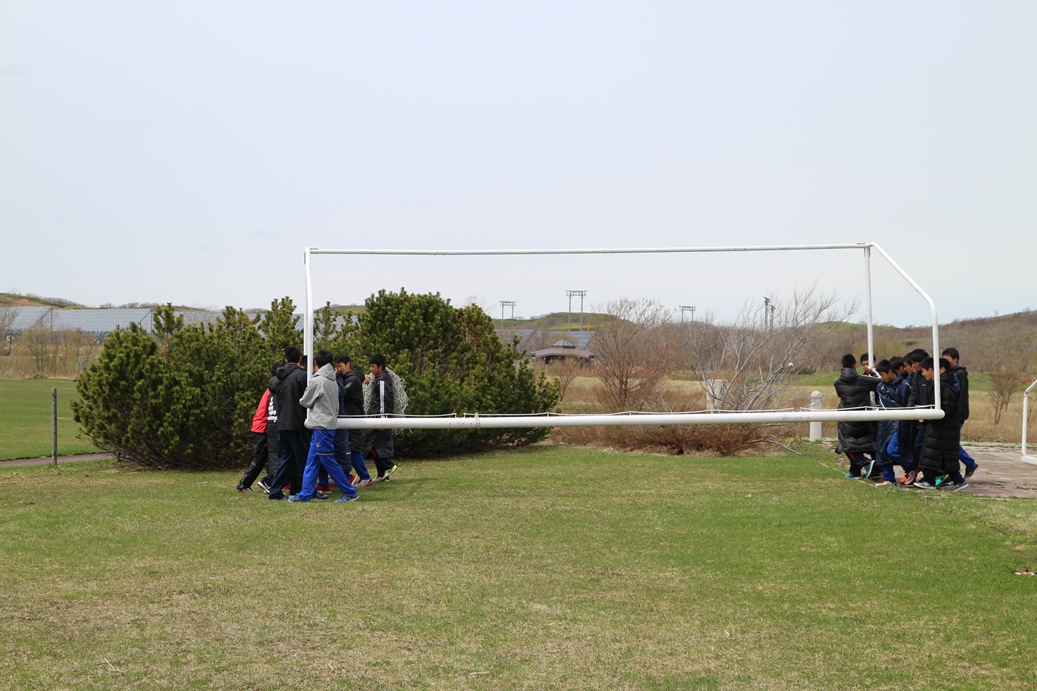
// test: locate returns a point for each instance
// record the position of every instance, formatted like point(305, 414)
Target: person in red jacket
point(260, 457)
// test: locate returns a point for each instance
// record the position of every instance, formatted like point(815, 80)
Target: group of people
point(929, 451)
point(295, 435)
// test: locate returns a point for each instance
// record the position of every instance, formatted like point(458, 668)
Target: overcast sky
point(189, 151)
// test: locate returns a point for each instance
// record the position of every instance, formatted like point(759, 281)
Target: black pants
point(382, 464)
point(271, 448)
point(260, 460)
point(858, 460)
point(292, 447)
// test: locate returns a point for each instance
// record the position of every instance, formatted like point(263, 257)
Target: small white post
point(815, 427)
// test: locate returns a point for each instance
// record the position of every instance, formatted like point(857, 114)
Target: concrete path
point(1001, 473)
point(47, 460)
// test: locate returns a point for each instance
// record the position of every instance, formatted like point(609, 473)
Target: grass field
point(552, 567)
point(25, 428)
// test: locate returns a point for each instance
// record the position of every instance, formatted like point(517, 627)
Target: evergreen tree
point(185, 404)
point(280, 327)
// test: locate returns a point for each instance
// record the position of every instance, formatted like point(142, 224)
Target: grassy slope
point(25, 431)
point(550, 568)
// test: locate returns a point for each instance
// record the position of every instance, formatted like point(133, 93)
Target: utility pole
point(772, 316)
point(766, 309)
point(687, 308)
point(503, 304)
point(575, 294)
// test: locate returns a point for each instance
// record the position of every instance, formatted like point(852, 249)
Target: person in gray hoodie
point(321, 403)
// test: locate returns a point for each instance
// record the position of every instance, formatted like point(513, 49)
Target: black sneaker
point(958, 486)
point(923, 484)
point(969, 471)
point(264, 485)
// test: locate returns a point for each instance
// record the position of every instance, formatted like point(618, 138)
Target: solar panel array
point(99, 322)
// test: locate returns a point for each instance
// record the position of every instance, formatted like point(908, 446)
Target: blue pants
point(345, 458)
point(359, 466)
point(964, 456)
point(322, 457)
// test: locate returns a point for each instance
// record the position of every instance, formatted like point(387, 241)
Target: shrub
point(182, 398)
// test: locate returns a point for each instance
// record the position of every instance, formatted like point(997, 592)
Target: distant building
point(562, 350)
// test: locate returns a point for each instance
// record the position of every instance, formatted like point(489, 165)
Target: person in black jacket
point(961, 381)
point(293, 439)
point(939, 458)
point(856, 439)
point(351, 402)
point(920, 394)
point(382, 403)
point(891, 394)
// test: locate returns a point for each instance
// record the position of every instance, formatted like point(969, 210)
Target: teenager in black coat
point(939, 458)
point(856, 439)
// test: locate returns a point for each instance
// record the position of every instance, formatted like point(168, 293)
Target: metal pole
point(308, 318)
point(932, 310)
point(871, 330)
point(1026, 414)
point(54, 425)
point(625, 419)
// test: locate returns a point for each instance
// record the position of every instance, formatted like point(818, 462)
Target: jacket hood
point(327, 371)
point(285, 369)
point(848, 374)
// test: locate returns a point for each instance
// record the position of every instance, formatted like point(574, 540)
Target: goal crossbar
point(505, 421)
point(626, 419)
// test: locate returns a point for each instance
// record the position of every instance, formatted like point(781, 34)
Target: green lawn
point(553, 567)
point(25, 431)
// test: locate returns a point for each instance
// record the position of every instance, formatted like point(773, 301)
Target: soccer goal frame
point(1026, 457)
point(477, 420)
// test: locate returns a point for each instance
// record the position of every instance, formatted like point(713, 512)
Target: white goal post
point(624, 419)
point(1027, 458)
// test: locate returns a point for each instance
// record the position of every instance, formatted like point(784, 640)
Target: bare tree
point(564, 371)
point(78, 349)
point(39, 340)
point(748, 366)
point(629, 351)
point(7, 315)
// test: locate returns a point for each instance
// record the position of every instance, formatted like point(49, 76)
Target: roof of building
point(556, 351)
